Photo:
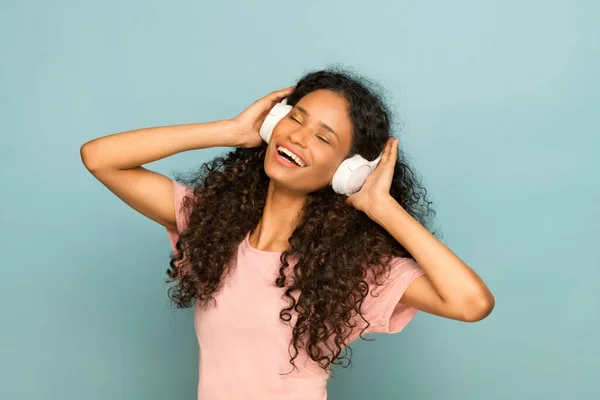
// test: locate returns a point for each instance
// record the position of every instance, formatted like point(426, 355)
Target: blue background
point(499, 105)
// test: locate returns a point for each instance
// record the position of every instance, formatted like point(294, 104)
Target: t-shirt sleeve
point(384, 311)
point(181, 212)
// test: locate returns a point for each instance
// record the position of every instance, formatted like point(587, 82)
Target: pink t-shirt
point(243, 344)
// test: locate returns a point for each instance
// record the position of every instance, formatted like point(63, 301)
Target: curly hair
point(330, 274)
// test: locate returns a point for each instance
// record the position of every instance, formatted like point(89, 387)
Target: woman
point(284, 272)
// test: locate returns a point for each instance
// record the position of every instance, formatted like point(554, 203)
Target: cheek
point(324, 155)
point(325, 163)
point(284, 125)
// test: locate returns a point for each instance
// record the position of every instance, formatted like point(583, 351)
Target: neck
point(280, 217)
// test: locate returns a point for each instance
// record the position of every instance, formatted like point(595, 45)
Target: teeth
point(292, 155)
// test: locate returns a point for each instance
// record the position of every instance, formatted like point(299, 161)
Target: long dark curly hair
point(330, 273)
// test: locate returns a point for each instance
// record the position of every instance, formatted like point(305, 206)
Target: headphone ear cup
point(352, 174)
point(276, 114)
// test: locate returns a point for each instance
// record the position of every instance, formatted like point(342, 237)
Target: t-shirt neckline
point(257, 251)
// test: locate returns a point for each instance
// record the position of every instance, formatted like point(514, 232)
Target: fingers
point(267, 102)
point(275, 97)
point(391, 150)
point(394, 145)
point(280, 94)
point(394, 150)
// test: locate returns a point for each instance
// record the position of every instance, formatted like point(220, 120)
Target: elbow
point(86, 152)
point(478, 307)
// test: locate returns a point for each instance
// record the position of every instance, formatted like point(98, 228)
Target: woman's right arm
point(116, 160)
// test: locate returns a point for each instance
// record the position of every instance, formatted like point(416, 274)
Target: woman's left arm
point(449, 287)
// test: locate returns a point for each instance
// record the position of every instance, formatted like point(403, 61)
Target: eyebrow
point(324, 125)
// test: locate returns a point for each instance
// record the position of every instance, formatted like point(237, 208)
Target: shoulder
point(382, 307)
point(399, 270)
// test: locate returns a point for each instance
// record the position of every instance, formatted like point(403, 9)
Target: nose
point(299, 136)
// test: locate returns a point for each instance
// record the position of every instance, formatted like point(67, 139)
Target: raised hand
point(377, 186)
point(248, 123)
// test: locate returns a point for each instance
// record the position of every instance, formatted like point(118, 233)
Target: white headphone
point(352, 172)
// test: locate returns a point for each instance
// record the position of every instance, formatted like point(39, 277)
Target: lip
point(288, 164)
point(292, 150)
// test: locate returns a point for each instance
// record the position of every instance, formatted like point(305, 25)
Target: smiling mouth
point(291, 158)
point(286, 159)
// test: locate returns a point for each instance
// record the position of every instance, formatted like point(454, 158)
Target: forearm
point(134, 148)
point(453, 280)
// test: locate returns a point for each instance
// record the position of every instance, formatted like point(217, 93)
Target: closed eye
point(297, 121)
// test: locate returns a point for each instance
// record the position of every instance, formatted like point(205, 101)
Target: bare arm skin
point(116, 160)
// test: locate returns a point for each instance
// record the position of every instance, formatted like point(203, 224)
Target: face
point(318, 130)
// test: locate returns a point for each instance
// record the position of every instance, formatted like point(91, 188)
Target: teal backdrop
point(499, 112)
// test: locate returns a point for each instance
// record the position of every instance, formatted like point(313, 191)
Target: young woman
point(283, 271)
